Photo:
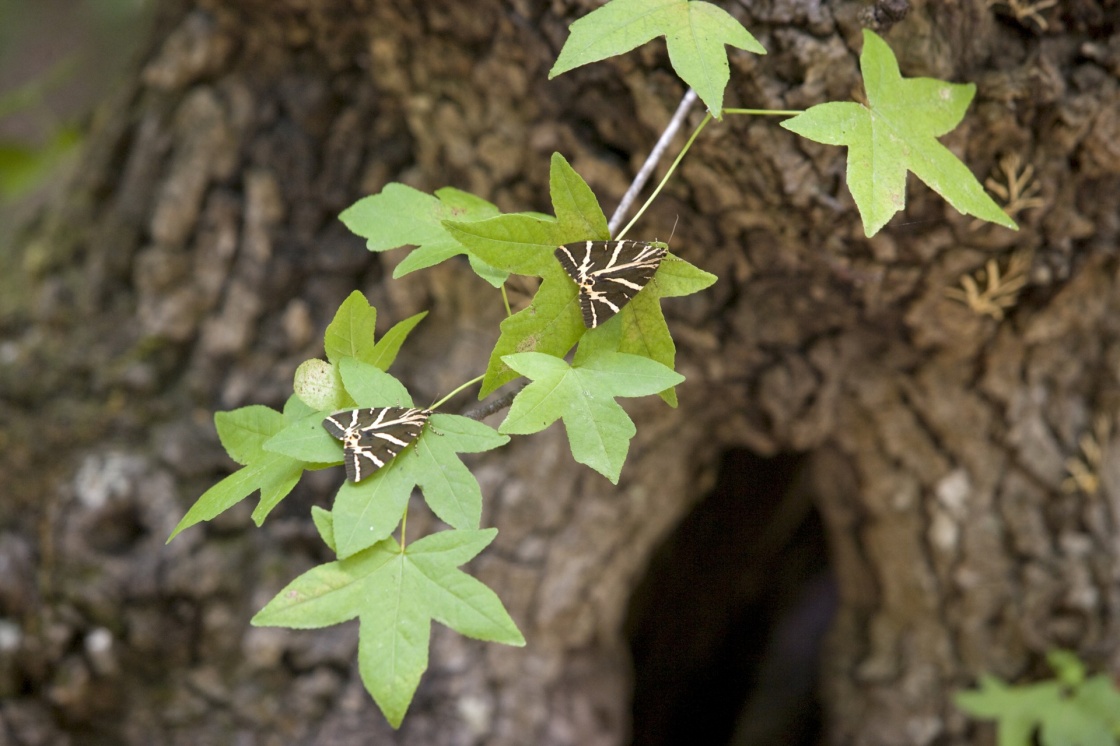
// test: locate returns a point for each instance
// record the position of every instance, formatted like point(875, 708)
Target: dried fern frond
point(1022, 9)
point(1001, 291)
point(1085, 470)
point(1021, 191)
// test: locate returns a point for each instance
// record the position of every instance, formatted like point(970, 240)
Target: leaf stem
point(651, 161)
point(443, 401)
point(695, 133)
point(404, 525)
point(765, 112)
point(505, 299)
point(659, 150)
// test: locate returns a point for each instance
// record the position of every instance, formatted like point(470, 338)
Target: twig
point(652, 160)
point(485, 410)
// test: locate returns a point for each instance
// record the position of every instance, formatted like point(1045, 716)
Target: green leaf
point(243, 430)
point(1099, 695)
point(551, 324)
point(450, 490)
point(645, 333)
point(324, 524)
point(307, 440)
point(1067, 667)
point(401, 215)
point(350, 333)
point(695, 34)
point(676, 278)
point(524, 244)
point(397, 593)
point(318, 385)
point(372, 387)
point(368, 511)
point(243, 433)
point(643, 330)
point(600, 340)
point(385, 351)
point(1083, 714)
point(896, 132)
point(599, 430)
point(24, 167)
point(296, 409)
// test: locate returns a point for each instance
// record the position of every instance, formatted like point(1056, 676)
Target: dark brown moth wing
point(608, 273)
point(371, 438)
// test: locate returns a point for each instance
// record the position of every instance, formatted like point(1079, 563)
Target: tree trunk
point(196, 258)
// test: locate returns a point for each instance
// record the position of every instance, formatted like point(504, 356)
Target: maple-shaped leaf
point(895, 132)
point(524, 244)
point(318, 384)
point(552, 323)
point(351, 333)
point(396, 593)
point(366, 512)
point(243, 433)
point(582, 394)
point(695, 33)
point(401, 215)
point(644, 331)
point(1075, 710)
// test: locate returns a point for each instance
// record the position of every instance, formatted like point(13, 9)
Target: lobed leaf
point(372, 387)
point(244, 433)
point(350, 333)
point(401, 215)
point(897, 131)
point(396, 593)
point(524, 243)
point(695, 34)
point(386, 349)
point(582, 395)
point(552, 323)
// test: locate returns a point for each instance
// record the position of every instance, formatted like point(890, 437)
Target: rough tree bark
point(196, 258)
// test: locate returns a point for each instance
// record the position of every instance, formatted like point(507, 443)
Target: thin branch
point(485, 410)
point(652, 160)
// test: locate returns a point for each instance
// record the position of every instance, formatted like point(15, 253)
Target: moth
point(372, 437)
point(609, 274)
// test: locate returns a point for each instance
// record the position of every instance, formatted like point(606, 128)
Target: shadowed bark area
point(196, 258)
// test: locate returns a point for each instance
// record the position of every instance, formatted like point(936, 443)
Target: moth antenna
point(672, 232)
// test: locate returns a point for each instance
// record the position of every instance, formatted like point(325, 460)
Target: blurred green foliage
point(57, 58)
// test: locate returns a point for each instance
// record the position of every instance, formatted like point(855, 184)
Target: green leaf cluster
point(552, 323)
point(1073, 710)
point(894, 132)
point(523, 243)
point(393, 589)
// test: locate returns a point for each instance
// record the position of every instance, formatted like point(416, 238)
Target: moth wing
point(336, 425)
point(590, 318)
point(353, 467)
point(567, 254)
